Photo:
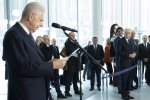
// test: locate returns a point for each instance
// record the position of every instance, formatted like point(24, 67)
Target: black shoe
point(77, 92)
point(125, 98)
point(68, 95)
point(99, 89)
point(130, 97)
point(131, 89)
point(91, 89)
point(61, 96)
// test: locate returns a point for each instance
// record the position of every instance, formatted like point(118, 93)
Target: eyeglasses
point(40, 20)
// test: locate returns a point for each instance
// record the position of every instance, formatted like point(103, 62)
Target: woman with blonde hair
point(107, 59)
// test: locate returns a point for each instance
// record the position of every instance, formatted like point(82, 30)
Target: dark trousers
point(95, 69)
point(110, 70)
point(125, 82)
point(48, 78)
point(118, 79)
point(134, 76)
point(64, 76)
point(57, 86)
point(71, 76)
point(87, 69)
point(147, 71)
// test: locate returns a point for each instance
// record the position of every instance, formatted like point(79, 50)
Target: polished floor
point(140, 94)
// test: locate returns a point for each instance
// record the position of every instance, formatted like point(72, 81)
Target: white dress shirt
point(24, 27)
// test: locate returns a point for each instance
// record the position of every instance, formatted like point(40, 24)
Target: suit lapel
point(28, 39)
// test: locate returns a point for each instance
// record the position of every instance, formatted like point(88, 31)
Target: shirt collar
point(47, 45)
point(94, 45)
point(24, 27)
point(120, 36)
point(145, 43)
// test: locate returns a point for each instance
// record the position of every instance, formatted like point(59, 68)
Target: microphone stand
point(79, 52)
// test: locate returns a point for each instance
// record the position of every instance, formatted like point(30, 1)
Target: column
point(97, 19)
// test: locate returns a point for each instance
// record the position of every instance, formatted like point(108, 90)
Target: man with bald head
point(144, 55)
point(27, 66)
point(73, 66)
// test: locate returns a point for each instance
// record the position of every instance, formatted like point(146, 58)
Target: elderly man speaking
point(27, 66)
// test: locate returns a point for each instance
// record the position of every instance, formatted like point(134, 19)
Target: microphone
point(63, 27)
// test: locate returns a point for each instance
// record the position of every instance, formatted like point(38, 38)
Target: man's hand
point(132, 55)
point(145, 59)
point(59, 63)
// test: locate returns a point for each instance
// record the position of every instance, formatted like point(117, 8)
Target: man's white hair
point(127, 29)
point(144, 36)
point(34, 7)
point(40, 37)
point(45, 36)
point(133, 31)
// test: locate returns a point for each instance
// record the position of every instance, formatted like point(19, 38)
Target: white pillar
point(97, 19)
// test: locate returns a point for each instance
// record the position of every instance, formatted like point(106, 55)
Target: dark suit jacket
point(99, 55)
point(73, 62)
point(115, 49)
point(6, 65)
point(27, 66)
point(48, 53)
point(144, 53)
point(123, 50)
point(55, 51)
point(136, 51)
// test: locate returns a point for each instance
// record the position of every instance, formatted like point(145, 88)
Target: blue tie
point(32, 38)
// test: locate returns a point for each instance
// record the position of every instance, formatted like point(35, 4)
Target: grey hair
point(108, 40)
point(133, 31)
point(144, 36)
point(34, 7)
point(40, 37)
point(127, 29)
point(45, 36)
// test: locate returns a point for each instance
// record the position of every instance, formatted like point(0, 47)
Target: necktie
point(145, 45)
point(95, 48)
point(32, 38)
point(128, 41)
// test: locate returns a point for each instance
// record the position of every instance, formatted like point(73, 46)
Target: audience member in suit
point(134, 71)
point(149, 39)
point(63, 54)
point(73, 66)
point(56, 71)
point(112, 55)
point(107, 59)
point(96, 51)
point(113, 36)
point(27, 65)
point(119, 31)
point(127, 53)
point(87, 64)
point(39, 41)
point(48, 52)
point(144, 55)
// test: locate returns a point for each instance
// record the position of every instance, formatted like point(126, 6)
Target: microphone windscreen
point(56, 25)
